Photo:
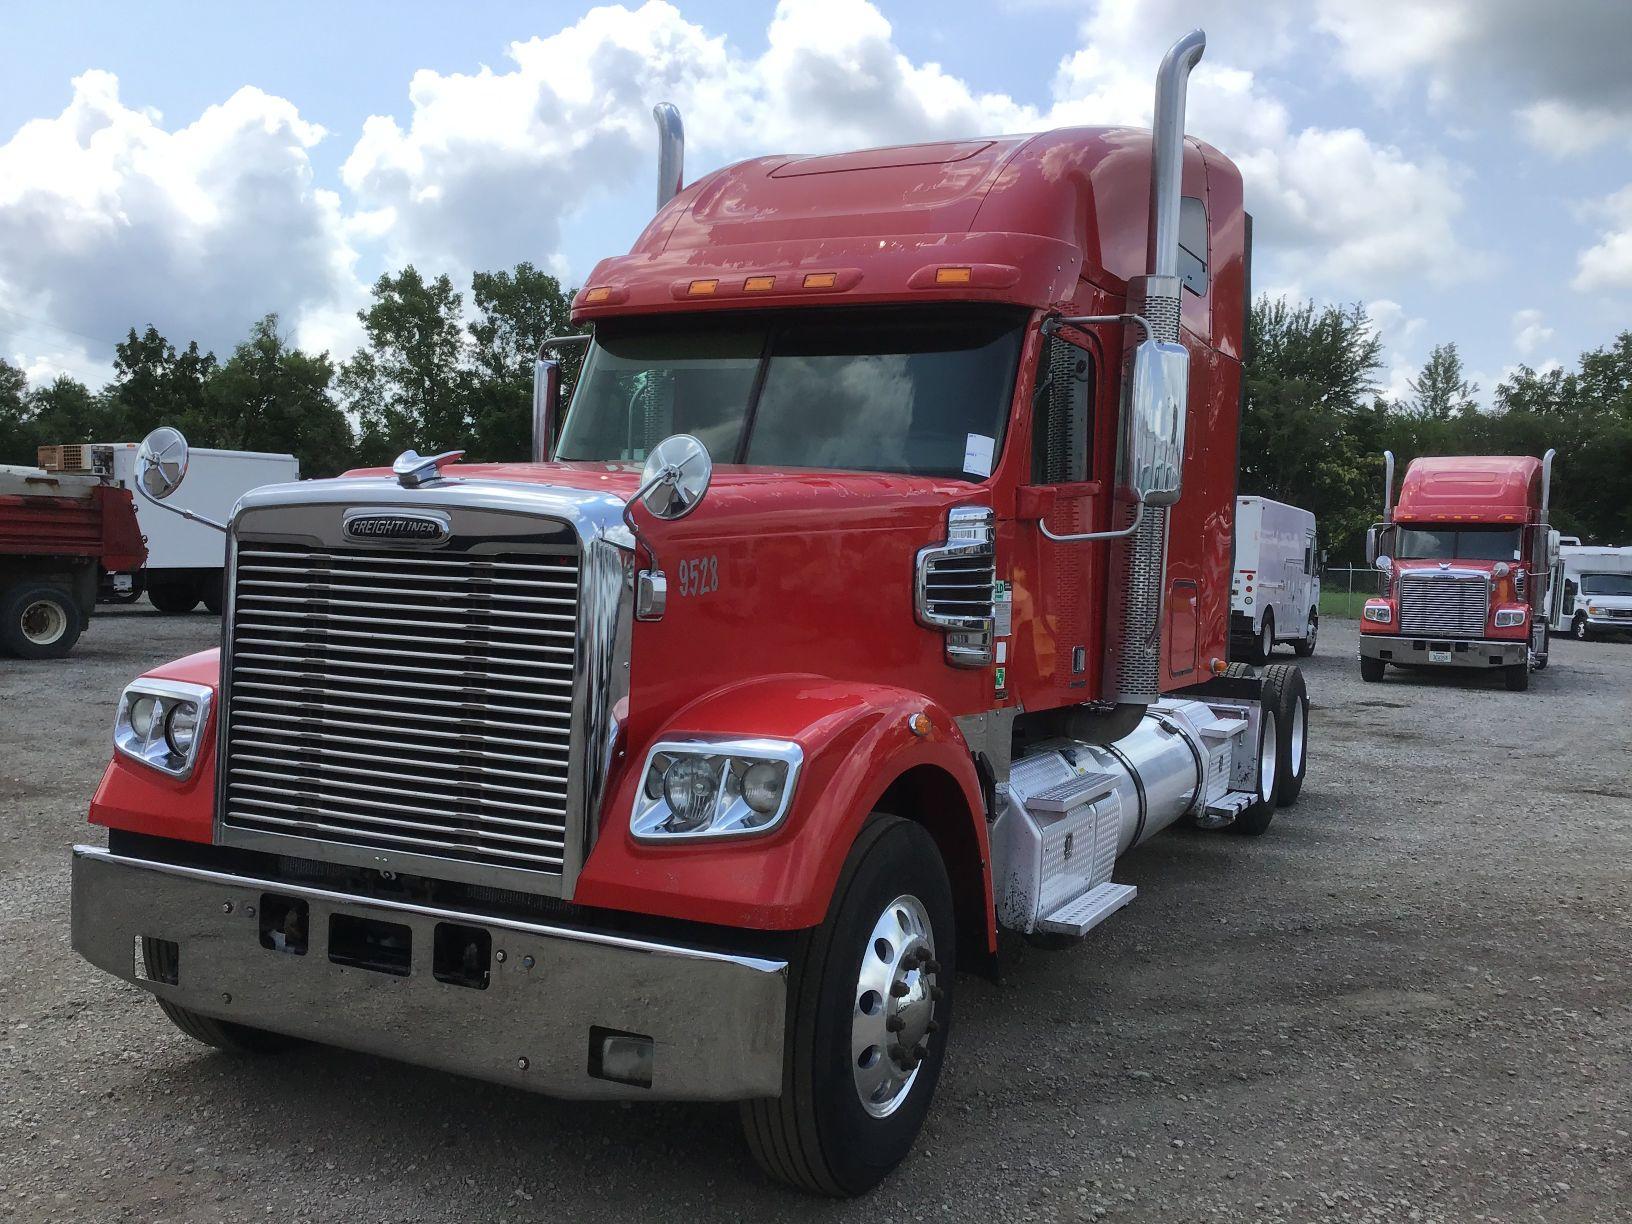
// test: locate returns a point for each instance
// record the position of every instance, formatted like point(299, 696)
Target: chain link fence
point(1344, 589)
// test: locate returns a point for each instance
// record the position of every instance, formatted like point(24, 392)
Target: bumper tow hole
point(462, 955)
point(367, 943)
point(284, 924)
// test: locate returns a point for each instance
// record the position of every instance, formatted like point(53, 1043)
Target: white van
point(1591, 592)
point(1275, 590)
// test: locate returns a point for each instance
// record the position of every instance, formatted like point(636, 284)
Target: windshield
point(1464, 543)
point(1606, 584)
point(925, 393)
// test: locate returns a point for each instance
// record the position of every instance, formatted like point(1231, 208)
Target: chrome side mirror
point(1385, 563)
point(1159, 390)
point(676, 476)
point(161, 463)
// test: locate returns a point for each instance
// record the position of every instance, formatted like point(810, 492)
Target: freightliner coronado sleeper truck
point(1465, 556)
point(852, 613)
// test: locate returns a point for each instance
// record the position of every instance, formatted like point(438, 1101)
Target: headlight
point(159, 722)
point(715, 788)
point(1506, 618)
point(1380, 613)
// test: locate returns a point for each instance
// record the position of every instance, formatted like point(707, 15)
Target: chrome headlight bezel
point(152, 748)
point(1509, 618)
point(731, 816)
point(1378, 613)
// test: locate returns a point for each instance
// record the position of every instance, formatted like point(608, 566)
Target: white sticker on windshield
point(977, 455)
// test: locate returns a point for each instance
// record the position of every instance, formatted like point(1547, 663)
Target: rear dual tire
point(39, 620)
point(1283, 744)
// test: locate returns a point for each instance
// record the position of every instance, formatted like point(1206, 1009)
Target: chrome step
point(1072, 793)
point(1083, 913)
point(1225, 809)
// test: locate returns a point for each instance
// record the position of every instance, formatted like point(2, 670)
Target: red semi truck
point(1465, 556)
point(59, 535)
point(851, 613)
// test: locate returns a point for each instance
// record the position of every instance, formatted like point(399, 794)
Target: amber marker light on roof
point(820, 280)
point(759, 284)
point(598, 294)
point(953, 276)
point(702, 288)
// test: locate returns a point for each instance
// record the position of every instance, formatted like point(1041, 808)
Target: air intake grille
point(1443, 605)
point(954, 586)
point(394, 699)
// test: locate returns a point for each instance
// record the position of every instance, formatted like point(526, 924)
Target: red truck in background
point(1465, 556)
point(59, 534)
point(872, 595)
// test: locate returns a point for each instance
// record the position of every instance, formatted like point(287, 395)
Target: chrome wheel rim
point(893, 1009)
point(1268, 744)
point(1298, 729)
point(44, 622)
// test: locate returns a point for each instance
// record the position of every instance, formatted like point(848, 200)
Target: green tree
point(1441, 392)
point(1310, 412)
point(408, 388)
point(518, 311)
point(271, 397)
point(156, 384)
point(17, 437)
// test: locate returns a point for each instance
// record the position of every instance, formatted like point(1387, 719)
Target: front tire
point(39, 621)
point(1372, 670)
point(869, 1012)
point(1305, 646)
point(1264, 645)
point(1580, 630)
point(1517, 676)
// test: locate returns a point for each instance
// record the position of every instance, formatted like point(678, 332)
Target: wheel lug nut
point(898, 1053)
point(934, 1026)
point(932, 966)
point(898, 989)
point(895, 1024)
point(936, 993)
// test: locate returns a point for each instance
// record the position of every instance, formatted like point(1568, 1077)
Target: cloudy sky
point(1463, 167)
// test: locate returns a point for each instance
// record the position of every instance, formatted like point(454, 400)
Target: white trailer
point(1591, 591)
point(185, 559)
point(1275, 589)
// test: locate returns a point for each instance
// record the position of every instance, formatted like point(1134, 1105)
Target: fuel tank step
point(1082, 914)
point(1225, 809)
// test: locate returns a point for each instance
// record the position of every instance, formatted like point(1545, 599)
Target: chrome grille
point(1443, 605)
point(954, 586)
point(396, 700)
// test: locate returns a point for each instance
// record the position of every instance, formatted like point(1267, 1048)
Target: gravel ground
point(1407, 1002)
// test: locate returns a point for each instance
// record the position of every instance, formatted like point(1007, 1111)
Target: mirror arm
point(1053, 323)
point(1138, 518)
point(669, 475)
point(186, 514)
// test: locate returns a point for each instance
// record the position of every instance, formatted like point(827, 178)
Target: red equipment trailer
point(1466, 556)
point(59, 534)
point(620, 774)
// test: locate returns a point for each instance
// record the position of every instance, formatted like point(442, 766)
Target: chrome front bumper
point(715, 1020)
point(1413, 651)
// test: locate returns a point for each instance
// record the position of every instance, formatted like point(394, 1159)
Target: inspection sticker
point(1002, 608)
point(977, 455)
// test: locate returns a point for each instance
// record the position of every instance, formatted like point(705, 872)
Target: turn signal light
point(702, 288)
point(759, 284)
point(821, 280)
point(598, 294)
point(953, 276)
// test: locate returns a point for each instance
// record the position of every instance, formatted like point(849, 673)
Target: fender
point(142, 800)
point(857, 744)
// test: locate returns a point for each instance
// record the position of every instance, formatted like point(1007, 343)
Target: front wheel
point(1371, 670)
point(1517, 676)
point(1579, 629)
point(1305, 646)
point(869, 1011)
point(173, 596)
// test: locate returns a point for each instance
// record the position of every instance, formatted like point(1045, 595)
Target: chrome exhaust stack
point(1133, 671)
point(1388, 484)
point(1547, 484)
point(671, 152)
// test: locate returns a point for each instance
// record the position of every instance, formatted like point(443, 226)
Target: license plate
point(1439, 656)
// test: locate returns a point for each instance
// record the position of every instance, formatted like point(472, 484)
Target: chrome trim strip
point(600, 636)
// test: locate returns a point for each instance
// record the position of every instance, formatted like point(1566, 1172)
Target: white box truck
point(185, 559)
point(1591, 591)
point(1275, 589)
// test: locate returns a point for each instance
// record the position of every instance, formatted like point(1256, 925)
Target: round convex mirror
point(676, 476)
point(161, 463)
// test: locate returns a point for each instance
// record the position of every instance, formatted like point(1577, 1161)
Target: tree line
point(429, 377)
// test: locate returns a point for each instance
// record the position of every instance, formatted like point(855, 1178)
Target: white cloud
point(1564, 129)
point(109, 220)
point(1608, 263)
point(1528, 332)
point(1399, 332)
